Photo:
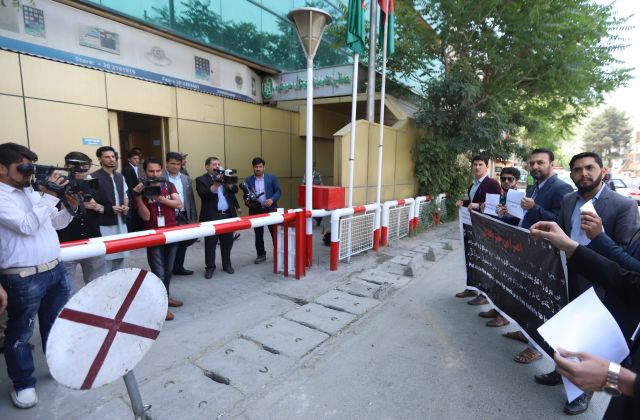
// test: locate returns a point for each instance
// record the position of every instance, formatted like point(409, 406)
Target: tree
point(608, 134)
point(514, 68)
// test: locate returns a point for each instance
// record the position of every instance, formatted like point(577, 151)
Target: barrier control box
point(324, 197)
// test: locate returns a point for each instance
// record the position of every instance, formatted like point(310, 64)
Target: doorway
point(147, 132)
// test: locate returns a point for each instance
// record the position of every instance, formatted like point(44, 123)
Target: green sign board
point(267, 88)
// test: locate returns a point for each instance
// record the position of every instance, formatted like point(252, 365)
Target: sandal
point(527, 356)
point(516, 335)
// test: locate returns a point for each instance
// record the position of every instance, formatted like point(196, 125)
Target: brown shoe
point(516, 335)
point(491, 313)
point(467, 294)
point(478, 300)
point(169, 316)
point(498, 321)
point(527, 356)
point(175, 303)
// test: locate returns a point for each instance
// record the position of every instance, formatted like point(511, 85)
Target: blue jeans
point(161, 259)
point(44, 295)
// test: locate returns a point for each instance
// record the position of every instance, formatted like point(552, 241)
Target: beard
point(588, 188)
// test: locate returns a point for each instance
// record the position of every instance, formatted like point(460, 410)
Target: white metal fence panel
point(356, 234)
point(425, 215)
point(398, 223)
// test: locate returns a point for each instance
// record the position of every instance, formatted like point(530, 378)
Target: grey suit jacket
point(619, 214)
point(189, 202)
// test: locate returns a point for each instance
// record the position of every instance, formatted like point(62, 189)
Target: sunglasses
point(507, 178)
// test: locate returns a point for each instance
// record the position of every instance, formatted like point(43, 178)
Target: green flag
point(355, 26)
point(391, 44)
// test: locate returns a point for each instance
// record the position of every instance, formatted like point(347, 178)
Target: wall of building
point(398, 180)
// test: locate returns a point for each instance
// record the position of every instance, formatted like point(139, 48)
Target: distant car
point(623, 189)
point(566, 178)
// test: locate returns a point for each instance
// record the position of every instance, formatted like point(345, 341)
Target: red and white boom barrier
point(335, 229)
point(77, 250)
point(386, 209)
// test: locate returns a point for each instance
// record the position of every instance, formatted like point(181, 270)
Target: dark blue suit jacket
point(548, 201)
point(271, 188)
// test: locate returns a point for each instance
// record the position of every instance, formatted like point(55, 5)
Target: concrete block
point(359, 287)
point(378, 276)
point(401, 260)
point(286, 337)
point(185, 389)
point(346, 302)
point(428, 252)
point(408, 270)
point(320, 317)
point(245, 364)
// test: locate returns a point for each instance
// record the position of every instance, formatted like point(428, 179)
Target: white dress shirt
point(28, 224)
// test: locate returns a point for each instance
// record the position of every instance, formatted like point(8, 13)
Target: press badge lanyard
point(160, 216)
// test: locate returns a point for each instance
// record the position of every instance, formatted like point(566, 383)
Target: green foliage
point(608, 134)
point(514, 74)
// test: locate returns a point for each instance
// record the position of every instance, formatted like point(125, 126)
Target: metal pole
point(309, 161)
point(371, 70)
point(352, 143)
point(382, 95)
point(134, 395)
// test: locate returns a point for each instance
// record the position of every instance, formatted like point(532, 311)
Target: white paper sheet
point(582, 237)
point(514, 198)
point(585, 325)
point(490, 203)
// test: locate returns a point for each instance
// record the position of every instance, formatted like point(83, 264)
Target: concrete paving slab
point(286, 337)
point(346, 302)
point(114, 409)
point(378, 276)
point(185, 389)
point(321, 318)
point(245, 364)
point(428, 252)
point(401, 260)
point(401, 270)
point(359, 287)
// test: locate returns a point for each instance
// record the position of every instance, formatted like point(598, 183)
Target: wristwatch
point(611, 385)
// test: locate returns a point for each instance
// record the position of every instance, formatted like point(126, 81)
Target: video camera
point(226, 176)
point(250, 196)
point(150, 190)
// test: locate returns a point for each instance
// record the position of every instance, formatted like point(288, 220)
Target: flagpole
point(352, 142)
point(381, 143)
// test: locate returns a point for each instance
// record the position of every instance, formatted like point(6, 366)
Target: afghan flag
point(391, 45)
point(355, 26)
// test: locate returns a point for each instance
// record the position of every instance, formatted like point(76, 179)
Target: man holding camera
point(86, 224)
point(268, 192)
point(187, 213)
point(32, 280)
point(156, 202)
point(113, 197)
point(217, 194)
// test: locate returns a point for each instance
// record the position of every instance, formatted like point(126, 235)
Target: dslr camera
point(151, 190)
point(250, 196)
point(226, 176)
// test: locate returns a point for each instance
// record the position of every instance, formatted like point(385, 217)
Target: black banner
point(523, 277)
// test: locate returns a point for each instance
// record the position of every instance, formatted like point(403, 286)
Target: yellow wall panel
point(10, 82)
point(276, 151)
point(12, 124)
point(133, 95)
point(388, 155)
point(242, 145)
point(386, 193)
point(200, 140)
point(199, 106)
point(52, 136)
point(241, 114)
point(298, 156)
point(46, 79)
point(323, 156)
point(325, 122)
point(274, 119)
point(404, 158)
point(404, 191)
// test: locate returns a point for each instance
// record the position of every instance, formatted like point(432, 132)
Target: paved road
point(385, 346)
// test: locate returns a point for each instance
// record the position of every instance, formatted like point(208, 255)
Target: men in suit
point(187, 213)
point(620, 219)
point(267, 188)
point(132, 172)
point(217, 204)
point(113, 197)
point(477, 193)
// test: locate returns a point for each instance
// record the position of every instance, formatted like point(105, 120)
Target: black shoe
point(551, 378)
point(182, 272)
point(260, 259)
point(579, 405)
point(236, 236)
point(228, 269)
point(208, 273)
